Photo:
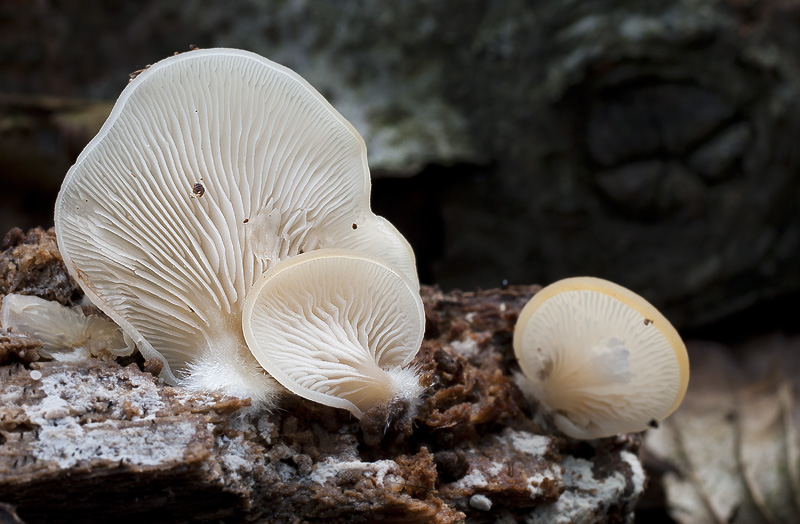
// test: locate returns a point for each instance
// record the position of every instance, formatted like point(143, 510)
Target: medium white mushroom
point(213, 166)
point(600, 358)
point(66, 333)
point(337, 327)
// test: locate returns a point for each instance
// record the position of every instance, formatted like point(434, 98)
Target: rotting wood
point(101, 441)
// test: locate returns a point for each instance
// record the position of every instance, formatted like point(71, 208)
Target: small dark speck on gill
point(355, 226)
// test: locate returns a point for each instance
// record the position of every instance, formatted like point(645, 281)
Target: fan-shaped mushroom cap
point(600, 357)
point(337, 327)
point(66, 333)
point(213, 166)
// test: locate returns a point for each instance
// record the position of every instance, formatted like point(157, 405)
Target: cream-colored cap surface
point(601, 358)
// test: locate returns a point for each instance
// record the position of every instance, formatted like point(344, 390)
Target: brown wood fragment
point(32, 265)
point(18, 346)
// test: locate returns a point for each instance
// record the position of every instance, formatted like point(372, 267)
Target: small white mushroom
point(66, 333)
point(337, 327)
point(600, 358)
point(213, 166)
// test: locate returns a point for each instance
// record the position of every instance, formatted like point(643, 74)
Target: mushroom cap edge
point(627, 297)
point(278, 373)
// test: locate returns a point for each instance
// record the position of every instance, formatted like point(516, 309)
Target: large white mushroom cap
point(213, 166)
point(601, 358)
point(337, 327)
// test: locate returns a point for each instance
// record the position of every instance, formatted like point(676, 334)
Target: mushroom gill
point(213, 166)
point(67, 334)
point(600, 358)
point(337, 327)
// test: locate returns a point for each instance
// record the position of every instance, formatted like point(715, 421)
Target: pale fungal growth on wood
point(600, 358)
point(213, 166)
point(67, 334)
point(337, 327)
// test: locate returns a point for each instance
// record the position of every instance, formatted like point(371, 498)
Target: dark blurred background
point(653, 143)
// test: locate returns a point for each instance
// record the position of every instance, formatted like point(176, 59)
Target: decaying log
point(103, 441)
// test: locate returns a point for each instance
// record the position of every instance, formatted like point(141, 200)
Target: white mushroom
point(601, 358)
point(213, 166)
point(337, 327)
point(66, 333)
